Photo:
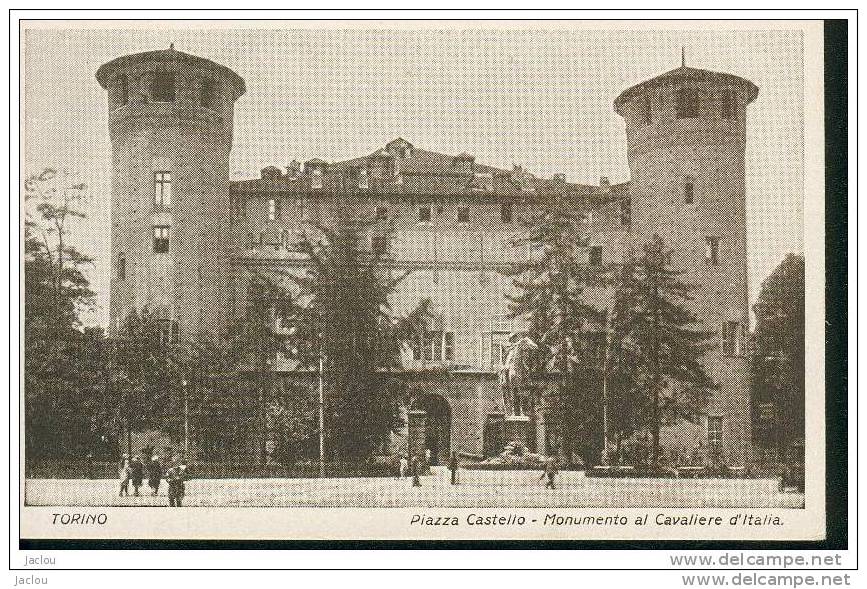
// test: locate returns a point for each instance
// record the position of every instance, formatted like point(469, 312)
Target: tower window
point(732, 339)
point(626, 212)
point(424, 214)
point(381, 213)
point(687, 103)
point(463, 214)
point(646, 110)
point(595, 257)
point(379, 244)
point(209, 94)
point(121, 266)
point(161, 239)
point(363, 180)
point(163, 87)
point(432, 345)
point(688, 190)
point(123, 85)
point(506, 212)
point(162, 190)
point(449, 346)
point(316, 180)
point(729, 100)
point(714, 432)
point(711, 251)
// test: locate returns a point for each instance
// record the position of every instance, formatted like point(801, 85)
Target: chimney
point(293, 170)
point(560, 178)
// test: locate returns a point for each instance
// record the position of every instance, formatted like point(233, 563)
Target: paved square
point(475, 489)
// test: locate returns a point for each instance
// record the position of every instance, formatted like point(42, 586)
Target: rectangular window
point(170, 332)
point(209, 94)
point(432, 344)
point(316, 182)
point(381, 213)
point(121, 266)
point(363, 180)
point(123, 83)
point(161, 239)
point(687, 103)
point(506, 212)
point(424, 214)
point(711, 251)
point(595, 256)
point(162, 190)
point(463, 214)
point(646, 110)
point(449, 346)
point(379, 244)
point(729, 100)
point(626, 212)
point(732, 339)
point(273, 209)
point(688, 191)
point(714, 431)
point(163, 87)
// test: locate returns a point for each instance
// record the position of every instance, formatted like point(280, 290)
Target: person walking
point(89, 464)
point(416, 466)
point(404, 466)
point(550, 472)
point(155, 474)
point(123, 472)
point(175, 477)
point(453, 466)
point(136, 473)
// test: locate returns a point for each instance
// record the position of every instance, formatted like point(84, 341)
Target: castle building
point(186, 240)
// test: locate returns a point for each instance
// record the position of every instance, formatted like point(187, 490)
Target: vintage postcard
point(422, 280)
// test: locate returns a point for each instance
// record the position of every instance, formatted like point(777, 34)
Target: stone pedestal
point(518, 429)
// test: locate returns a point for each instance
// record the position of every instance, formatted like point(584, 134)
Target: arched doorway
point(438, 427)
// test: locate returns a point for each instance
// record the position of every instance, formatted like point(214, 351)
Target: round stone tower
point(686, 137)
point(170, 123)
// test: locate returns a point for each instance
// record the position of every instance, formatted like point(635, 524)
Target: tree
point(338, 310)
point(551, 300)
point(778, 363)
point(657, 353)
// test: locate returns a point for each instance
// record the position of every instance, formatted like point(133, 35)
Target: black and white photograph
point(534, 276)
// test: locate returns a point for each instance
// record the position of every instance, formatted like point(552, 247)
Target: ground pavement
point(475, 489)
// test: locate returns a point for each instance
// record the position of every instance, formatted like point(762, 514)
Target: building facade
point(451, 223)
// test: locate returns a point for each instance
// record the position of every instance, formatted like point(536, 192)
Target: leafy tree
point(552, 301)
point(338, 310)
point(778, 363)
point(657, 353)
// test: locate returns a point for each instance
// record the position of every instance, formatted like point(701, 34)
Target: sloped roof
point(691, 74)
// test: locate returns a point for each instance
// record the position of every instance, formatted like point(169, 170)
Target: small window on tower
point(646, 110)
point(595, 256)
point(273, 208)
point(121, 266)
point(463, 214)
point(729, 106)
point(209, 94)
point(424, 214)
point(687, 103)
point(161, 239)
point(688, 190)
point(316, 182)
point(123, 86)
point(714, 432)
point(711, 251)
point(449, 346)
point(381, 213)
point(506, 212)
point(163, 87)
point(162, 190)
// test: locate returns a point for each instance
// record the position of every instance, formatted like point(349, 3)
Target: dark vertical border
point(836, 282)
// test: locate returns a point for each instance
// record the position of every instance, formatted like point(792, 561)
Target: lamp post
point(184, 384)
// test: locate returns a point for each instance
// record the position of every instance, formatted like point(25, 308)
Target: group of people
point(133, 471)
point(417, 463)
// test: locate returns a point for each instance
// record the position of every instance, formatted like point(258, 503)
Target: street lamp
point(184, 384)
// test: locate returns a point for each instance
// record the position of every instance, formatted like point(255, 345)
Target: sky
point(539, 98)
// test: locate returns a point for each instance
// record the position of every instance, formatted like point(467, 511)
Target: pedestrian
point(427, 456)
point(175, 477)
point(123, 472)
point(89, 464)
point(155, 474)
point(550, 471)
point(453, 466)
point(136, 473)
point(404, 466)
point(416, 466)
